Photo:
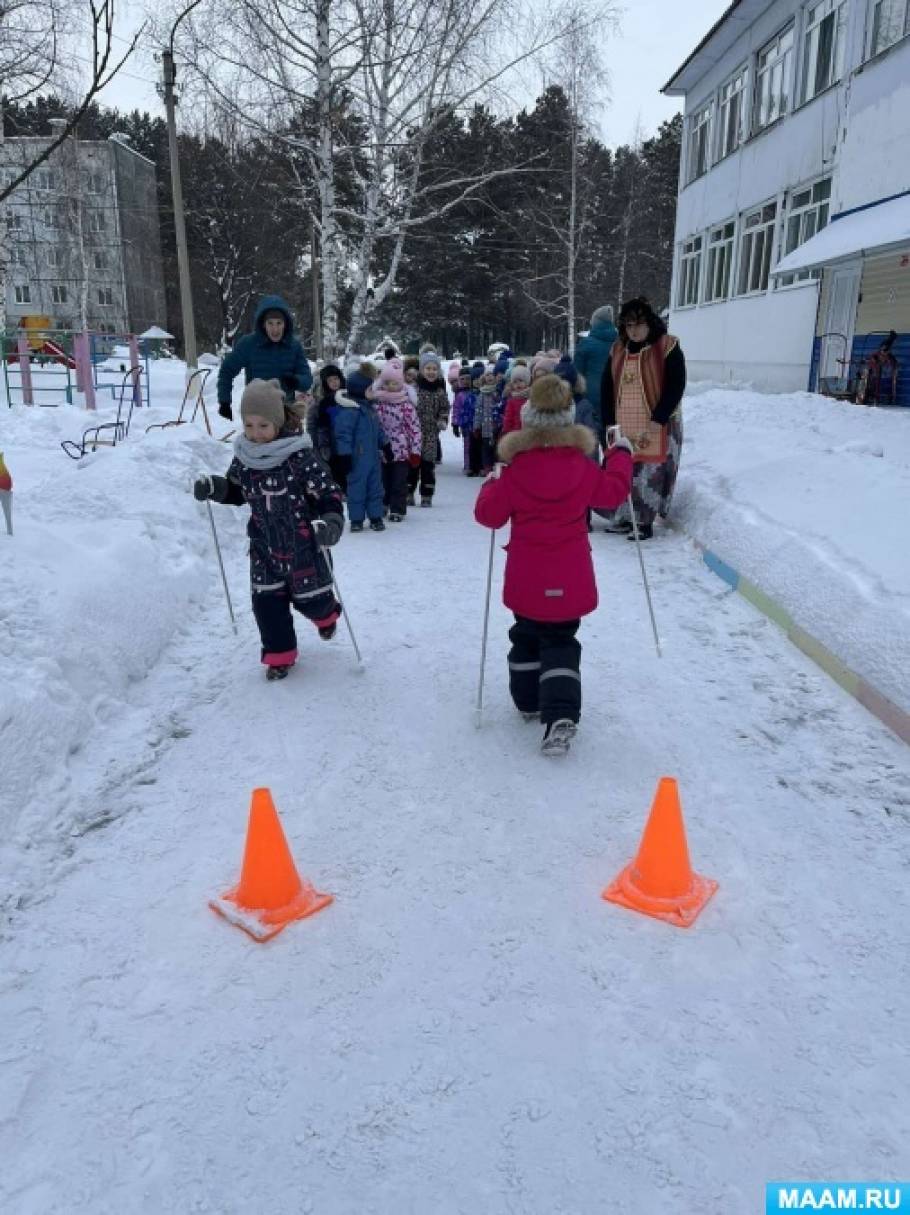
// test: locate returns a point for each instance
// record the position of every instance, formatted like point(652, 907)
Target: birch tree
point(384, 77)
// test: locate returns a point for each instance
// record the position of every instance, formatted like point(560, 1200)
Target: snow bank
point(108, 556)
point(806, 497)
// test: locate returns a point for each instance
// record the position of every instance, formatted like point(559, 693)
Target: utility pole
point(183, 260)
point(317, 311)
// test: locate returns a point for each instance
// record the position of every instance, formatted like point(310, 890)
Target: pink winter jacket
point(545, 492)
point(398, 418)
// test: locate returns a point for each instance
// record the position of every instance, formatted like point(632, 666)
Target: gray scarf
point(263, 457)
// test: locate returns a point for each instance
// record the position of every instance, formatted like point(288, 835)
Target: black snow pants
point(544, 668)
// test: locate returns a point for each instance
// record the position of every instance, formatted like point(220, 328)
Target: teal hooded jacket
point(260, 358)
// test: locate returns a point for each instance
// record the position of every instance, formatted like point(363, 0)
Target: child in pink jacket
point(398, 419)
point(545, 492)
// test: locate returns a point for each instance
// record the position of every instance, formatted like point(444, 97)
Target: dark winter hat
point(411, 362)
point(330, 369)
point(639, 309)
point(265, 399)
point(476, 370)
point(566, 370)
point(549, 403)
point(359, 377)
point(429, 356)
point(501, 365)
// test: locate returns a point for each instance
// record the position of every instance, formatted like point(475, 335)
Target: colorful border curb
point(888, 713)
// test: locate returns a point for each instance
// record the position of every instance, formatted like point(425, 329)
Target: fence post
point(25, 369)
point(88, 372)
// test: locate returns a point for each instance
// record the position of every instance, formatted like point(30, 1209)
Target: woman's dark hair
point(639, 309)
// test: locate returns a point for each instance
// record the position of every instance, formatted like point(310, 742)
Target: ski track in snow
point(469, 1027)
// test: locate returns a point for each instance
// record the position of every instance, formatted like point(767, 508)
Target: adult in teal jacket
point(592, 354)
point(270, 352)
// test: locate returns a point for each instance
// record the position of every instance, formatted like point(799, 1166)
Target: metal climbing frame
point(114, 431)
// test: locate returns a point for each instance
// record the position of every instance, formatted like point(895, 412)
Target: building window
point(94, 183)
point(730, 114)
point(13, 220)
point(807, 214)
point(45, 179)
point(689, 272)
point(58, 293)
point(53, 257)
point(889, 21)
point(51, 218)
point(100, 260)
point(22, 293)
point(773, 72)
point(96, 221)
point(699, 141)
point(106, 297)
point(720, 262)
point(18, 258)
point(755, 244)
point(823, 47)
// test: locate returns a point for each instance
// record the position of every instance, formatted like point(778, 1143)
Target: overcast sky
point(653, 39)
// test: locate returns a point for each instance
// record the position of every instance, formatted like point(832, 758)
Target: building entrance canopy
point(876, 229)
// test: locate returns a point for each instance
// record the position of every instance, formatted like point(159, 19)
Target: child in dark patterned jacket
point(295, 513)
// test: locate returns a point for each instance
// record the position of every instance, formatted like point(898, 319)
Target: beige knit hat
point(549, 404)
point(265, 399)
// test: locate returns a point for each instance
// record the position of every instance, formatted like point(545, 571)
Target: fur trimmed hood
point(530, 439)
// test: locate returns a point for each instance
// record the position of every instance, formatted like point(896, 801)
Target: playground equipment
point(869, 372)
point(114, 431)
point(43, 365)
point(201, 376)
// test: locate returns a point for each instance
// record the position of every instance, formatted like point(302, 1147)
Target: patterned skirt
point(653, 484)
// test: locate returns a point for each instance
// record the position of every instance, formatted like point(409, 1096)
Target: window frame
point(694, 129)
point(96, 222)
point(106, 303)
point(748, 232)
point(809, 53)
point(687, 256)
point(59, 293)
point(721, 152)
point(871, 51)
point(712, 248)
point(788, 213)
point(787, 81)
point(22, 293)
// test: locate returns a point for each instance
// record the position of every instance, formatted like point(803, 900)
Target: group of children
point(379, 432)
point(372, 437)
point(489, 398)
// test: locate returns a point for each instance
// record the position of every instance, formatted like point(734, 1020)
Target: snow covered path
point(468, 1028)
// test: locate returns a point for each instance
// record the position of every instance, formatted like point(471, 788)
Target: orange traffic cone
point(660, 881)
point(270, 893)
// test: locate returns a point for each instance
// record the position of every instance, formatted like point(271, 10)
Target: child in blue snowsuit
point(359, 443)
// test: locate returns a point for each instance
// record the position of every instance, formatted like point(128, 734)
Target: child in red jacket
point(545, 492)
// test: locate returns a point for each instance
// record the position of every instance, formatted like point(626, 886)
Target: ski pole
point(613, 433)
point(486, 626)
point(344, 610)
point(227, 593)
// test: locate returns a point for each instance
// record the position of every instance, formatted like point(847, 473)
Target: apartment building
point(793, 220)
point(82, 243)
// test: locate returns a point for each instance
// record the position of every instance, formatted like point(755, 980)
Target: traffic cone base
point(270, 893)
point(679, 911)
point(263, 925)
point(660, 881)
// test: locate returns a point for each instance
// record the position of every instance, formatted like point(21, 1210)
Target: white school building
point(793, 220)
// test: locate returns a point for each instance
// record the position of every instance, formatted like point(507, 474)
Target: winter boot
point(618, 529)
point(356, 527)
point(426, 501)
point(558, 737)
point(645, 531)
point(328, 631)
point(273, 673)
point(377, 525)
point(393, 518)
point(412, 501)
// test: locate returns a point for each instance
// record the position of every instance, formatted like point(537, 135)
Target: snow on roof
point(875, 229)
point(156, 332)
